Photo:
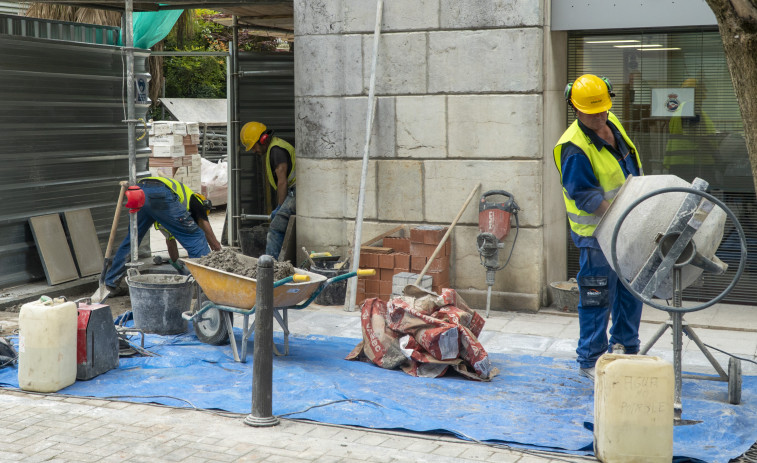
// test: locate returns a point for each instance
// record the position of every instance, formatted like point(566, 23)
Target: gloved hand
point(273, 214)
point(179, 267)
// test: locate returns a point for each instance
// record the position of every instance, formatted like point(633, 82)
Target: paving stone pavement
point(58, 428)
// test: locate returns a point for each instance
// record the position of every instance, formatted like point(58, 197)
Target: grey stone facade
point(467, 91)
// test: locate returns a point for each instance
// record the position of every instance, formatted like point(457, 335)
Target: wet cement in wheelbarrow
point(228, 261)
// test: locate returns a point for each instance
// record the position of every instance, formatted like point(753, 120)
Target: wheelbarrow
point(229, 293)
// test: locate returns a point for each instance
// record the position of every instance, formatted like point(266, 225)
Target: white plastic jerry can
point(633, 409)
point(47, 345)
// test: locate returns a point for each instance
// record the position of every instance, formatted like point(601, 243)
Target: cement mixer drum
point(650, 221)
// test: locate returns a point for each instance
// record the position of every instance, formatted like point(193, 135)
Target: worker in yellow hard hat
point(279, 166)
point(594, 157)
point(691, 148)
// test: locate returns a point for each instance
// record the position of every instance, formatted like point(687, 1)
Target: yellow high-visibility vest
point(290, 149)
point(606, 169)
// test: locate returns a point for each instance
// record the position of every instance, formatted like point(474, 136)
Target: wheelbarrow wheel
point(210, 328)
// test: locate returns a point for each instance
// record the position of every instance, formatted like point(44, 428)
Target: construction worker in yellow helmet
point(594, 157)
point(279, 167)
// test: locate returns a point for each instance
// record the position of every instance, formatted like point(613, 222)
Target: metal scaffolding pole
point(128, 33)
point(233, 211)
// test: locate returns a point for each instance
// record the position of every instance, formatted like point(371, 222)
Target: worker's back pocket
point(594, 291)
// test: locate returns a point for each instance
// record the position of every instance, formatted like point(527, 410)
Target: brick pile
point(174, 153)
point(423, 243)
point(406, 256)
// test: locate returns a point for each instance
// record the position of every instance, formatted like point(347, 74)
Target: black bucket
point(158, 300)
point(253, 240)
point(334, 293)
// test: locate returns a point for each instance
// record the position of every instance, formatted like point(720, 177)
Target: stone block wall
point(461, 90)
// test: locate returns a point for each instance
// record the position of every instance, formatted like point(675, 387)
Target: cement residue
point(229, 261)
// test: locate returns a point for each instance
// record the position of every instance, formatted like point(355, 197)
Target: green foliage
point(195, 77)
point(203, 77)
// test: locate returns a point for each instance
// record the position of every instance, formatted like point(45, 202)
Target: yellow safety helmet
point(250, 134)
point(590, 94)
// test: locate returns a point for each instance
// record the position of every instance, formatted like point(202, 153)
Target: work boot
point(587, 372)
point(618, 349)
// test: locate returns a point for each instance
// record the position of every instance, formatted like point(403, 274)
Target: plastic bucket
point(158, 300)
point(334, 293)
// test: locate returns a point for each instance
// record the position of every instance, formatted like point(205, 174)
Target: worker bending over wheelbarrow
point(179, 213)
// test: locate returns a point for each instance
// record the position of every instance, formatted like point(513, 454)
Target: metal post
point(131, 132)
point(232, 138)
point(262, 356)
point(677, 318)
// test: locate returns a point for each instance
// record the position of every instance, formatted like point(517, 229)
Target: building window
point(675, 98)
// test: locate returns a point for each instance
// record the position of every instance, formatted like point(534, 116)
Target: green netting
point(152, 27)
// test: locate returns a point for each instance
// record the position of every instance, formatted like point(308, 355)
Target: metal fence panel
point(63, 142)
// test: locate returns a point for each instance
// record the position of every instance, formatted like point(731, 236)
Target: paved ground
point(57, 428)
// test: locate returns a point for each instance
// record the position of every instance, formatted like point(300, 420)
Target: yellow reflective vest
point(182, 191)
point(606, 168)
point(290, 149)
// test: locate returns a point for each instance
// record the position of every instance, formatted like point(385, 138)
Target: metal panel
point(16, 8)
point(576, 15)
point(63, 143)
point(266, 94)
point(58, 30)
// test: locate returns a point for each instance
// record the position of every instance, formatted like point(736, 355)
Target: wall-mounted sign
point(670, 102)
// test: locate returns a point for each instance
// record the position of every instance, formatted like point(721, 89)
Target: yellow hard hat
point(590, 94)
point(689, 83)
point(250, 134)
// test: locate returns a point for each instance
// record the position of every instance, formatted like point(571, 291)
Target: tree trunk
point(737, 21)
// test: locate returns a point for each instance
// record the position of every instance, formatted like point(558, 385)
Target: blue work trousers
point(163, 206)
point(278, 228)
point(602, 294)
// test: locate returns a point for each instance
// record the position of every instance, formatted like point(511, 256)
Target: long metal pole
point(232, 138)
point(677, 318)
point(131, 122)
point(262, 355)
point(349, 302)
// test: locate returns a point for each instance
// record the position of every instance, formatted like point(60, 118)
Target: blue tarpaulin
point(536, 402)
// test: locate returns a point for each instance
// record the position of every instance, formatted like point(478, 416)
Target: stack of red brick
point(407, 255)
point(423, 243)
point(386, 265)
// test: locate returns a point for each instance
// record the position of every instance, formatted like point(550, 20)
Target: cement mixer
point(660, 234)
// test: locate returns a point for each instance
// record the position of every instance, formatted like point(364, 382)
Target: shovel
point(102, 291)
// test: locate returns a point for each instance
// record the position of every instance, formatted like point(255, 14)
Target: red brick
point(427, 250)
point(439, 277)
point(402, 261)
point(371, 287)
point(386, 261)
point(368, 260)
point(398, 244)
point(385, 289)
point(439, 264)
point(427, 235)
point(387, 274)
point(417, 263)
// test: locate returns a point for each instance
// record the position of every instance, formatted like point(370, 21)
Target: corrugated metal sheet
point(267, 97)
point(58, 30)
point(63, 142)
point(16, 8)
